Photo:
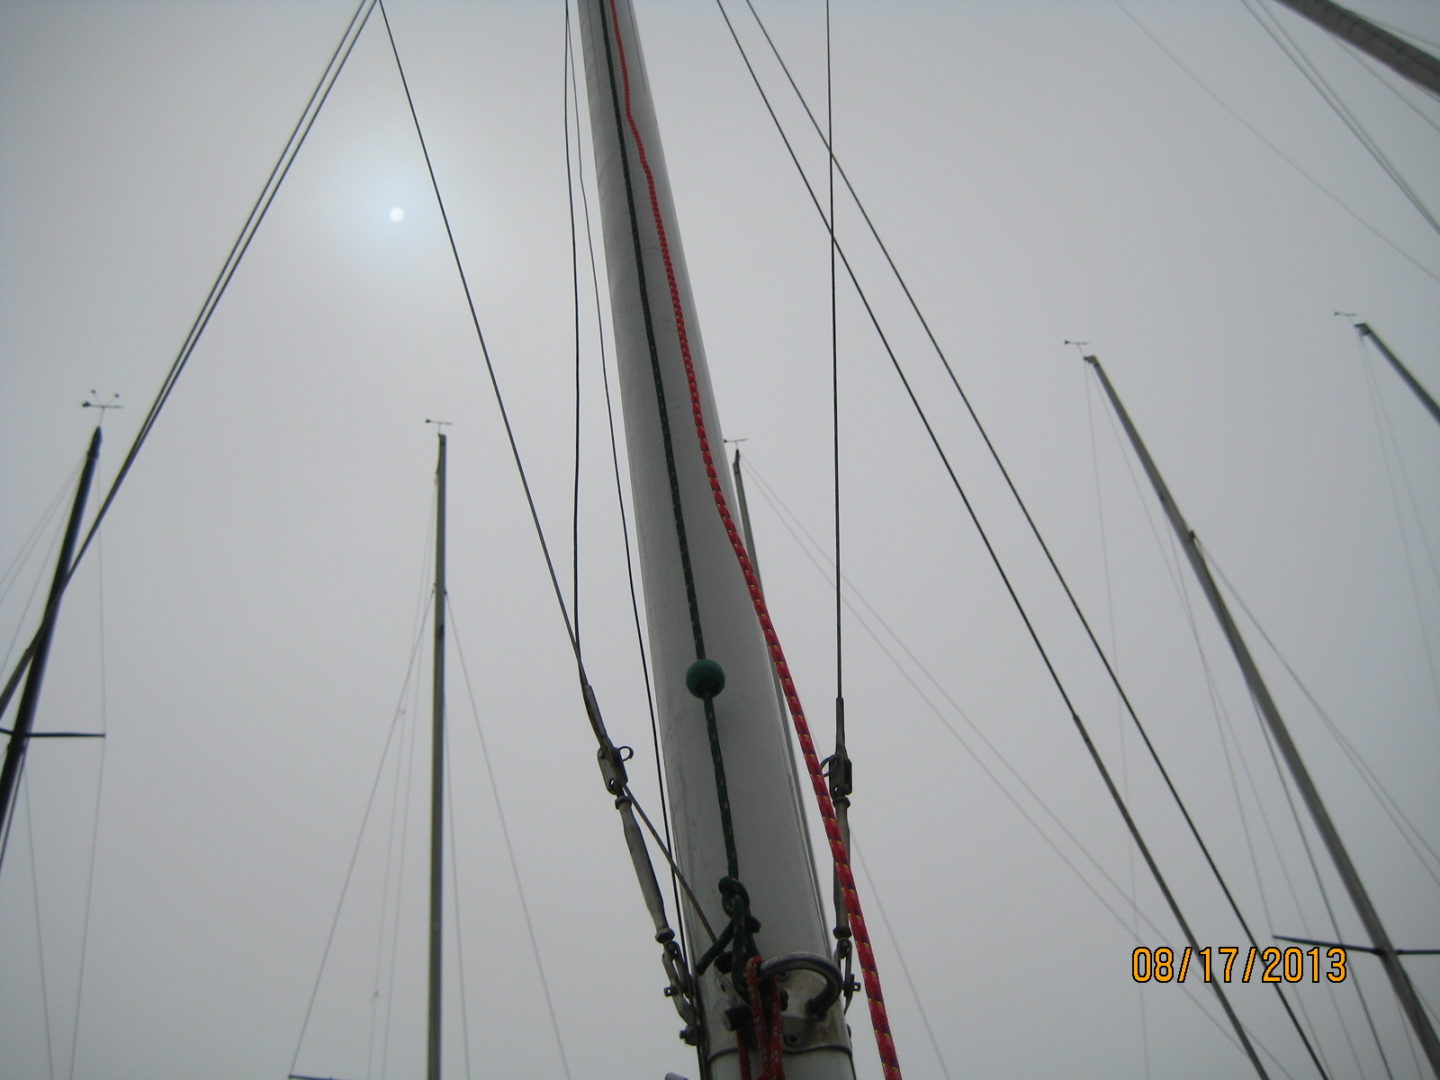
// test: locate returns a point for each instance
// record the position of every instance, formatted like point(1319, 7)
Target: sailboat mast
point(30, 698)
point(1401, 370)
point(437, 780)
point(1369, 917)
point(739, 826)
point(1415, 64)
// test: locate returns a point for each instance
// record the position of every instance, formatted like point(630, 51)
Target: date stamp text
point(1242, 964)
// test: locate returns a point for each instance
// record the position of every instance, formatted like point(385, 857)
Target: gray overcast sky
point(1041, 171)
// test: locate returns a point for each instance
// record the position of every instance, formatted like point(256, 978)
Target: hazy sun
point(397, 215)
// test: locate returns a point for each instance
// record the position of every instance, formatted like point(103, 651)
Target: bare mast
point(21, 733)
point(1400, 369)
point(697, 603)
point(1415, 64)
point(1364, 907)
point(437, 782)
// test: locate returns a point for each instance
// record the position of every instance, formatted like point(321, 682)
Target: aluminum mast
point(1369, 917)
point(437, 782)
point(1415, 64)
point(21, 734)
point(1419, 391)
point(696, 600)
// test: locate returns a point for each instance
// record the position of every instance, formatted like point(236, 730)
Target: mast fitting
point(705, 678)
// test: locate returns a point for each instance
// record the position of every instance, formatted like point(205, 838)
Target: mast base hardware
point(814, 980)
point(705, 678)
point(809, 986)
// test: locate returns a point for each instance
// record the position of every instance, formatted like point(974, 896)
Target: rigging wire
point(464, 280)
point(1427, 271)
point(1120, 731)
point(1409, 35)
point(387, 879)
point(675, 872)
point(316, 102)
point(609, 755)
point(568, 67)
point(905, 287)
point(1177, 581)
point(915, 994)
point(676, 879)
point(39, 931)
point(509, 844)
point(99, 802)
point(1354, 979)
point(814, 552)
point(405, 768)
point(56, 525)
point(1229, 738)
point(455, 899)
point(1287, 44)
point(396, 717)
point(834, 387)
point(809, 547)
point(1230, 747)
point(1385, 435)
point(1165, 542)
point(993, 555)
point(841, 769)
point(27, 546)
point(1407, 829)
point(391, 882)
point(1382, 76)
point(994, 453)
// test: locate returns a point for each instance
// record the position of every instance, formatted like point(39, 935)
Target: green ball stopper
point(705, 678)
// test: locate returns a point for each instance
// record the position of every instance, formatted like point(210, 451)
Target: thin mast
point(1401, 370)
point(1398, 54)
point(697, 601)
point(1369, 917)
point(30, 698)
point(437, 778)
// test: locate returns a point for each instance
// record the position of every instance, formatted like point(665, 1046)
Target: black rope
point(665, 435)
point(736, 944)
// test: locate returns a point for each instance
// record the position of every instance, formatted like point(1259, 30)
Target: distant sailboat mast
point(22, 733)
point(1421, 394)
point(437, 782)
point(1415, 64)
point(1369, 917)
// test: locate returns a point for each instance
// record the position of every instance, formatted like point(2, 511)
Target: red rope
point(879, 1020)
point(766, 1024)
